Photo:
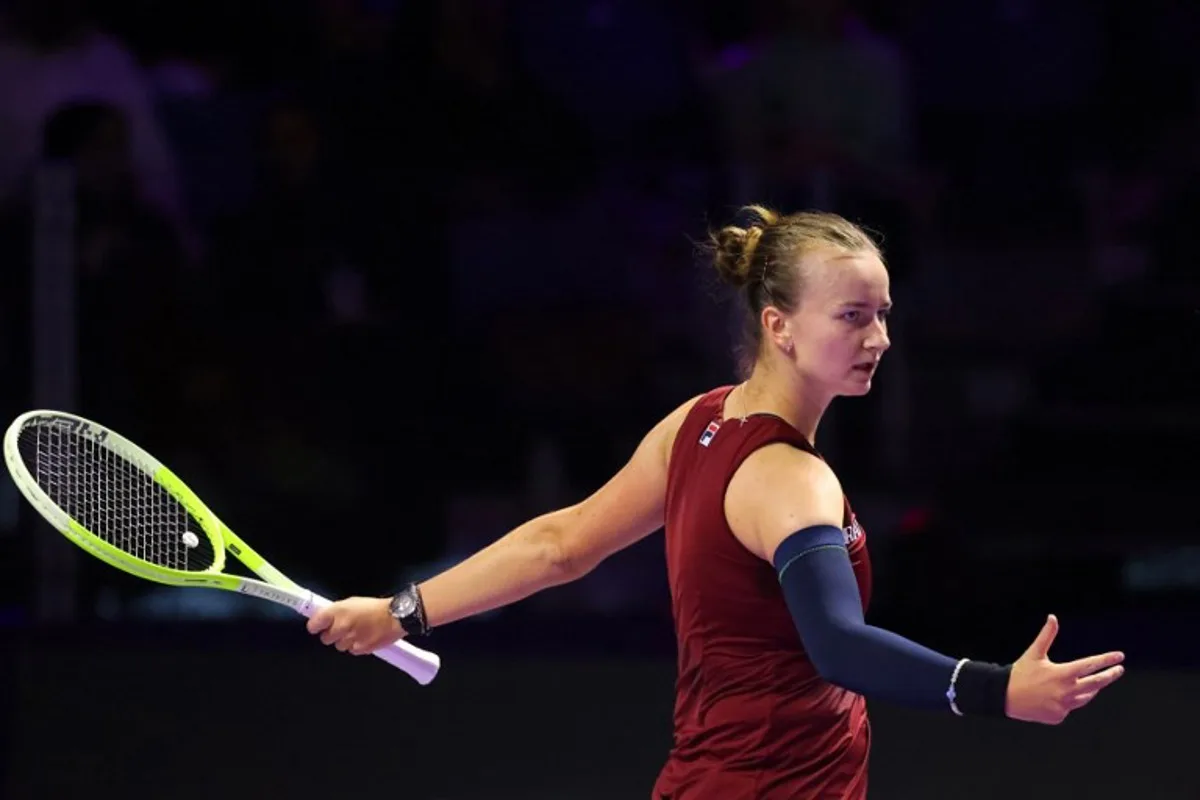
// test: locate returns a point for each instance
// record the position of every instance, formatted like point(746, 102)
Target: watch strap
point(414, 622)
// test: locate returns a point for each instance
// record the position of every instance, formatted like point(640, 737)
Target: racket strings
point(113, 498)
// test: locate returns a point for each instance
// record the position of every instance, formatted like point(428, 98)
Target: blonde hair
point(761, 259)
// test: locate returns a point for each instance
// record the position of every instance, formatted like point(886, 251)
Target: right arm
point(546, 551)
point(786, 506)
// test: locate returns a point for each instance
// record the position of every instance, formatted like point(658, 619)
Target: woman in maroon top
point(767, 565)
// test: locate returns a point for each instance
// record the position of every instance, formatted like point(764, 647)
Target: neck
point(786, 394)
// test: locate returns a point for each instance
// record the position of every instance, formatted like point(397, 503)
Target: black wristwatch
point(409, 610)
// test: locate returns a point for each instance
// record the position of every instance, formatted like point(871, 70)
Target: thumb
point(320, 620)
point(1041, 645)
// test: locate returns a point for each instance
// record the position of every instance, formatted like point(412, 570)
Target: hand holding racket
point(356, 625)
point(118, 503)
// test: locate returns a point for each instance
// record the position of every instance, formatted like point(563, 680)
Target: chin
point(856, 389)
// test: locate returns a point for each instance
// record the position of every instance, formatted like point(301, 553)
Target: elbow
point(549, 547)
point(836, 672)
point(830, 656)
point(827, 667)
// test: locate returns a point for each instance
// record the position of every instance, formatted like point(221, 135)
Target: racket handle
point(421, 665)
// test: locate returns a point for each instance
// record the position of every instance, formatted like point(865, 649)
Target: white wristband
point(951, 694)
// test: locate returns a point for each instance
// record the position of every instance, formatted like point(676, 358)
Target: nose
point(878, 340)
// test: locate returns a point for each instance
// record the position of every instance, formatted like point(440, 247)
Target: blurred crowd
point(412, 271)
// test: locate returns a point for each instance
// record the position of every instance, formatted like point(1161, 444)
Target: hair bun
point(734, 246)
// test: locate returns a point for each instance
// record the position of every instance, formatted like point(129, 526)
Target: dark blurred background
point(381, 279)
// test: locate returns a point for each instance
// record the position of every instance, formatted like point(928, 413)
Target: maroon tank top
point(753, 719)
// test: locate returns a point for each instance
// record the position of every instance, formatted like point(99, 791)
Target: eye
point(852, 315)
point(884, 313)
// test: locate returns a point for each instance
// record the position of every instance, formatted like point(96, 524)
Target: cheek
point(825, 351)
point(836, 347)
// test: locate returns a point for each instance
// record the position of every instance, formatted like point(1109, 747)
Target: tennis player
point(767, 565)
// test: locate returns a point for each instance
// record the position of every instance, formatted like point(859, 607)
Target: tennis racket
point(118, 503)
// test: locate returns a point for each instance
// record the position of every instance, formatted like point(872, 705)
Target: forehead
point(837, 276)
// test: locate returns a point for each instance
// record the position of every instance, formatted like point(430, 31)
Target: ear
point(777, 328)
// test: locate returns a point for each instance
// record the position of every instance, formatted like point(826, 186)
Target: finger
point(1095, 682)
point(335, 633)
point(344, 644)
point(1079, 701)
point(320, 621)
point(1041, 645)
point(1087, 688)
point(367, 645)
point(1086, 666)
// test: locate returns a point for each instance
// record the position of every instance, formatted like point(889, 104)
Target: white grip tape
point(421, 665)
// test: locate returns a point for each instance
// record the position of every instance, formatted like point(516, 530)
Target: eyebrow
point(861, 304)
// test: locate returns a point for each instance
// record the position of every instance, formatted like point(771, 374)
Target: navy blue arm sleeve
point(822, 594)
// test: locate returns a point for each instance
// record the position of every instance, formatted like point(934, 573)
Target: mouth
point(867, 367)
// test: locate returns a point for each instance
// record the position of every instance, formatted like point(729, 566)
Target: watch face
point(403, 605)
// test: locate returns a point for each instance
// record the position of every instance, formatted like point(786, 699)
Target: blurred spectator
point(506, 139)
point(271, 268)
point(129, 264)
point(206, 100)
point(278, 252)
point(1005, 88)
point(334, 379)
point(619, 66)
point(1139, 182)
point(818, 113)
point(51, 53)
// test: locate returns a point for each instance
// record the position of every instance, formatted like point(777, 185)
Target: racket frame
point(276, 587)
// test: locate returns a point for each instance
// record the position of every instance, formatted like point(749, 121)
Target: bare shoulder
point(778, 490)
point(668, 427)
